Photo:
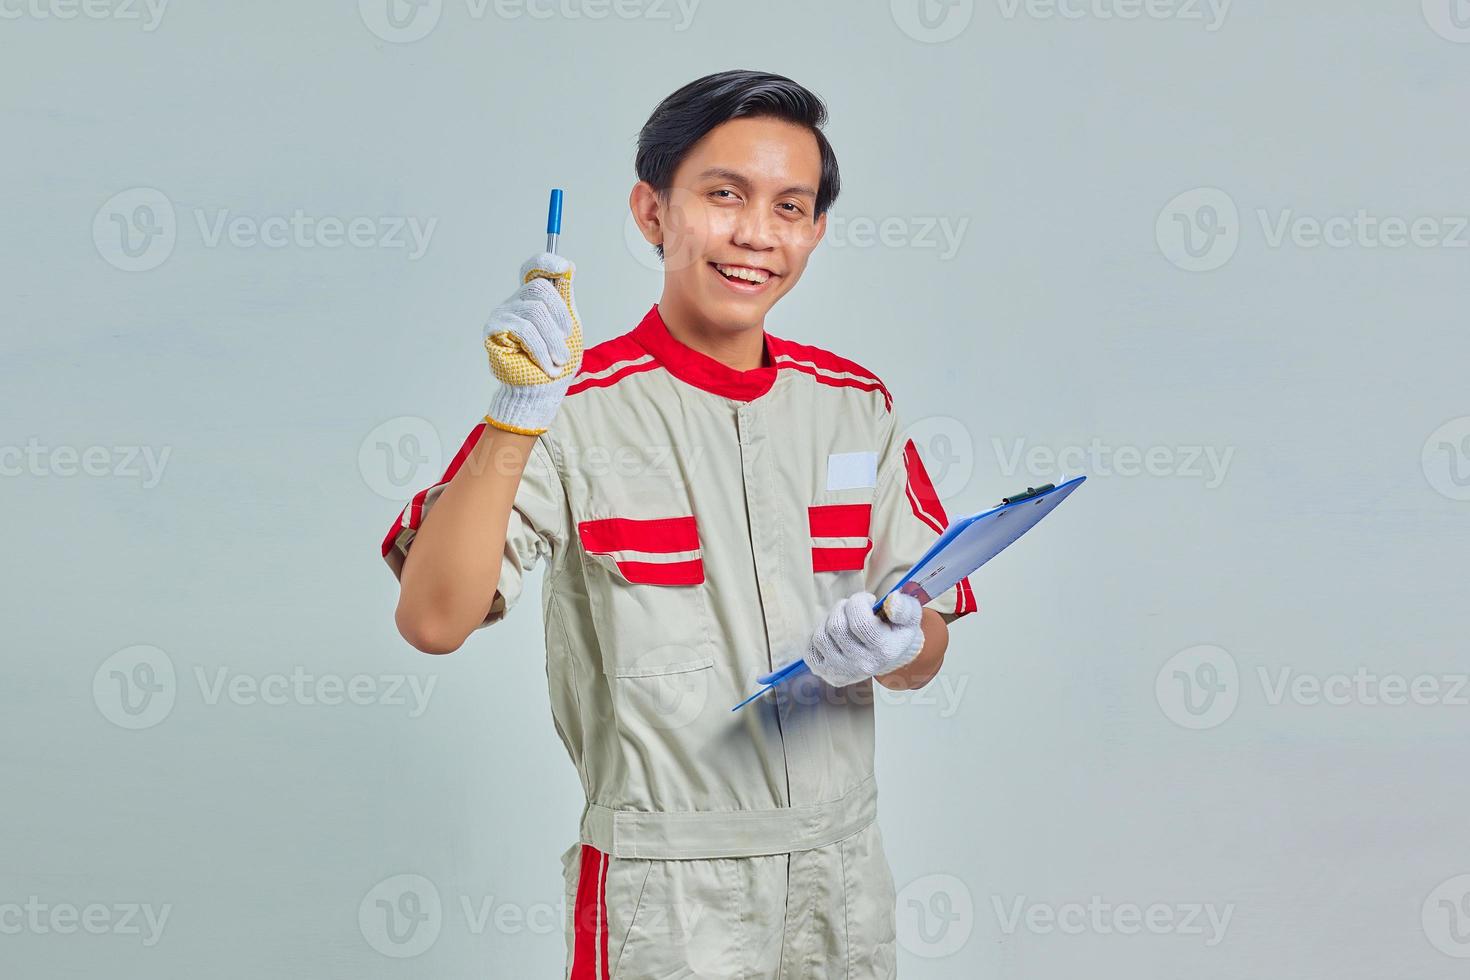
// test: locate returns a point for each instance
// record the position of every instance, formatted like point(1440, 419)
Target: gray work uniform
point(696, 524)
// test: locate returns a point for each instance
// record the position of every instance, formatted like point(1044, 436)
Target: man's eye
point(795, 208)
point(724, 190)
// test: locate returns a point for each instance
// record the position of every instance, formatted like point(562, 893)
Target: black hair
point(683, 119)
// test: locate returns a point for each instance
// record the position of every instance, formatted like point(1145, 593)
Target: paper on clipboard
point(972, 541)
point(963, 547)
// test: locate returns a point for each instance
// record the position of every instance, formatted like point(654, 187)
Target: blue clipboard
point(964, 546)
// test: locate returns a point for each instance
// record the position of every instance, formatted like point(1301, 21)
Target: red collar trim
point(701, 370)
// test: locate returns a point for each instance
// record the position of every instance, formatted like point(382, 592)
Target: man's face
point(737, 226)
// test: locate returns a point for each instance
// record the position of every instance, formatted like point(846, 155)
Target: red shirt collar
point(701, 370)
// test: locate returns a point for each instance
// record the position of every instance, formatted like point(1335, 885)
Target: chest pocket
point(840, 518)
point(646, 584)
point(841, 535)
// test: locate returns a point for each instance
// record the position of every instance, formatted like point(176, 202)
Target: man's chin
point(734, 313)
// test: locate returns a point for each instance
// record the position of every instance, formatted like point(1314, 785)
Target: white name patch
point(846, 471)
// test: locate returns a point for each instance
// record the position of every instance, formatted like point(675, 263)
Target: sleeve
point(537, 531)
point(907, 517)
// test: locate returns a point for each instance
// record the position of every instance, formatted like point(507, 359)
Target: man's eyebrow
point(736, 177)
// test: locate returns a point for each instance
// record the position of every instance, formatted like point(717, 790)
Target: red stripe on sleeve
point(965, 603)
point(922, 496)
point(924, 501)
point(415, 509)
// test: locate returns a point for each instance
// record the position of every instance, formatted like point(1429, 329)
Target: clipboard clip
point(1030, 492)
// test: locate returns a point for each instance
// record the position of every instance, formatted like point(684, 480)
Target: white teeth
point(740, 272)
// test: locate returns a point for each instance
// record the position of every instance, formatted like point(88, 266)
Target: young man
point(711, 502)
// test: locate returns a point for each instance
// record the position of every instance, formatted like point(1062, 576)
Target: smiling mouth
point(743, 277)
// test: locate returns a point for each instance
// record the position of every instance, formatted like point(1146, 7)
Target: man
point(711, 502)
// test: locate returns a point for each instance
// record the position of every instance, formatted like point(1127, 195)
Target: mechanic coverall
point(696, 524)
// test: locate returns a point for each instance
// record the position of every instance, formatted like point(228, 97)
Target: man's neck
point(739, 350)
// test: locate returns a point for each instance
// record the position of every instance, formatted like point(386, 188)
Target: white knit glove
point(534, 340)
point(855, 643)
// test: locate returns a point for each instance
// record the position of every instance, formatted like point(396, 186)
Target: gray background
point(1066, 756)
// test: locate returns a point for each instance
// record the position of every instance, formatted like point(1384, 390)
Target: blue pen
point(553, 220)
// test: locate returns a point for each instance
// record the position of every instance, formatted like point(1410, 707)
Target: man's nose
point(753, 229)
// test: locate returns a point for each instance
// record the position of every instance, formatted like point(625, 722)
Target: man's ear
point(819, 228)
point(643, 202)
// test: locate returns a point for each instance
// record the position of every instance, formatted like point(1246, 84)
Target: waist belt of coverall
point(703, 834)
